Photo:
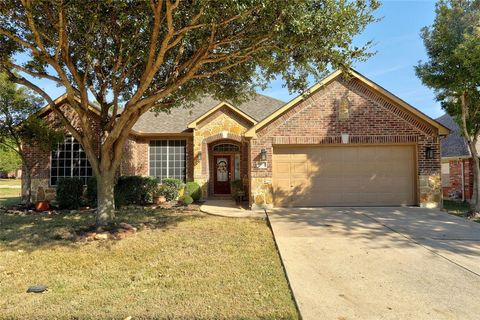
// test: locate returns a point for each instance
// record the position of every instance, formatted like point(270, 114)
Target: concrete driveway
point(380, 263)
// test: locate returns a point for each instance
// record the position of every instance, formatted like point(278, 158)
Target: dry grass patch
point(192, 266)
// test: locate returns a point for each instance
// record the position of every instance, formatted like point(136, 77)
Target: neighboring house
point(457, 164)
point(346, 141)
point(12, 174)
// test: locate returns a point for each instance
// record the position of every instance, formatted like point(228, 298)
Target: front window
point(168, 159)
point(69, 160)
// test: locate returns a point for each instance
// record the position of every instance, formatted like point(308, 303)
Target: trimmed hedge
point(135, 190)
point(193, 190)
point(186, 200)
point(69, 193)
point(170, 188)
point(138, 190)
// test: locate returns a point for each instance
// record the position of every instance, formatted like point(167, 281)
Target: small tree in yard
point(19, 128)
point(9, 159)
point(453, 70)
point(133, 56)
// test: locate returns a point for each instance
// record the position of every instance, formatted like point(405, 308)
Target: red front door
point(222, 172)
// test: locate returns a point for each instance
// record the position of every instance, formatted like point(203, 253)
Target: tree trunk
point(475, 204)
point(105, 200)
point(27, 199)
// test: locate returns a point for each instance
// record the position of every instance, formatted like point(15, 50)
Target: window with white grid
point(69, 160)
point(168, 159)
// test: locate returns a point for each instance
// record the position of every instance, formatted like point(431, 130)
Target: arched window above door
point(226, 147)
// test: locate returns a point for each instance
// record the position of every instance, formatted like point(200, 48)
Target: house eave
point(160, 134)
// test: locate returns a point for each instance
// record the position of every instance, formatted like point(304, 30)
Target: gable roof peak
point(442, 130)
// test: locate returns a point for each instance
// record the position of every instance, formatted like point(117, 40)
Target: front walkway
point(228, 208)
point(380, 263)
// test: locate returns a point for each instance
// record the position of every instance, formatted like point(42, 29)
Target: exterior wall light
point(262, 164)
point(199, 157)
point(429, 153)
point(263, 155)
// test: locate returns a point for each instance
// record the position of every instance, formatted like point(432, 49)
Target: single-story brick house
point(346, 141)
point(457, 163)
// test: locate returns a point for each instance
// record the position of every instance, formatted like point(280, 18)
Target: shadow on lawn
point(38, 231)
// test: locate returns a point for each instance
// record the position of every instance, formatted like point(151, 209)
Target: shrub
point(135, 190)
point(186, 200)
point(91, 193)
point(236, 187)
point(193, 190)
point(170, 188)
point(168, 192)
point(174, 183)
point(69, 193)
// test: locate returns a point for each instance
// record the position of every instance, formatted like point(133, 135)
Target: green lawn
point(10, 182)
point(189, 266)
point(9, 196)
point(455, 207)
point(460, 209)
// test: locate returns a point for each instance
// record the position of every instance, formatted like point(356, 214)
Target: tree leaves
point(453, 68)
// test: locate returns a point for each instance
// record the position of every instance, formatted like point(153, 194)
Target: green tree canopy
point(133, 56)
point(9, 159)
point(20, 127)
point(453, 48)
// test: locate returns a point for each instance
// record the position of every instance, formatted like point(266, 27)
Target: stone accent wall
point(372, 120)
point(223, 125)
point(452, 185)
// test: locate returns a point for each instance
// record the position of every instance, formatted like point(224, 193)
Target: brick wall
point(452, 184)
point(372, 120)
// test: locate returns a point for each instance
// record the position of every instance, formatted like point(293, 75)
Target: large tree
point(132, 56)
point(21, 129)
point(453, 70)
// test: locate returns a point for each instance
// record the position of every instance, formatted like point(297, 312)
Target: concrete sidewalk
point(228, 208)
point(380, 263)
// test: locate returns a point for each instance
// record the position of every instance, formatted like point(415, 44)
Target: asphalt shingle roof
point(259, 107)
point(454, 145)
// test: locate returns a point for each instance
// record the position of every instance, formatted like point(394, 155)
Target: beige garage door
point(344, 176)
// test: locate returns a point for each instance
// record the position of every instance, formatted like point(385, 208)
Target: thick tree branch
point(43, 75)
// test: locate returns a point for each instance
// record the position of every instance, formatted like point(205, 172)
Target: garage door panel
point(350, 175)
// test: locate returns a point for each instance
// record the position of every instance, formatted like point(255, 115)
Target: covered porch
point(221, 166)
